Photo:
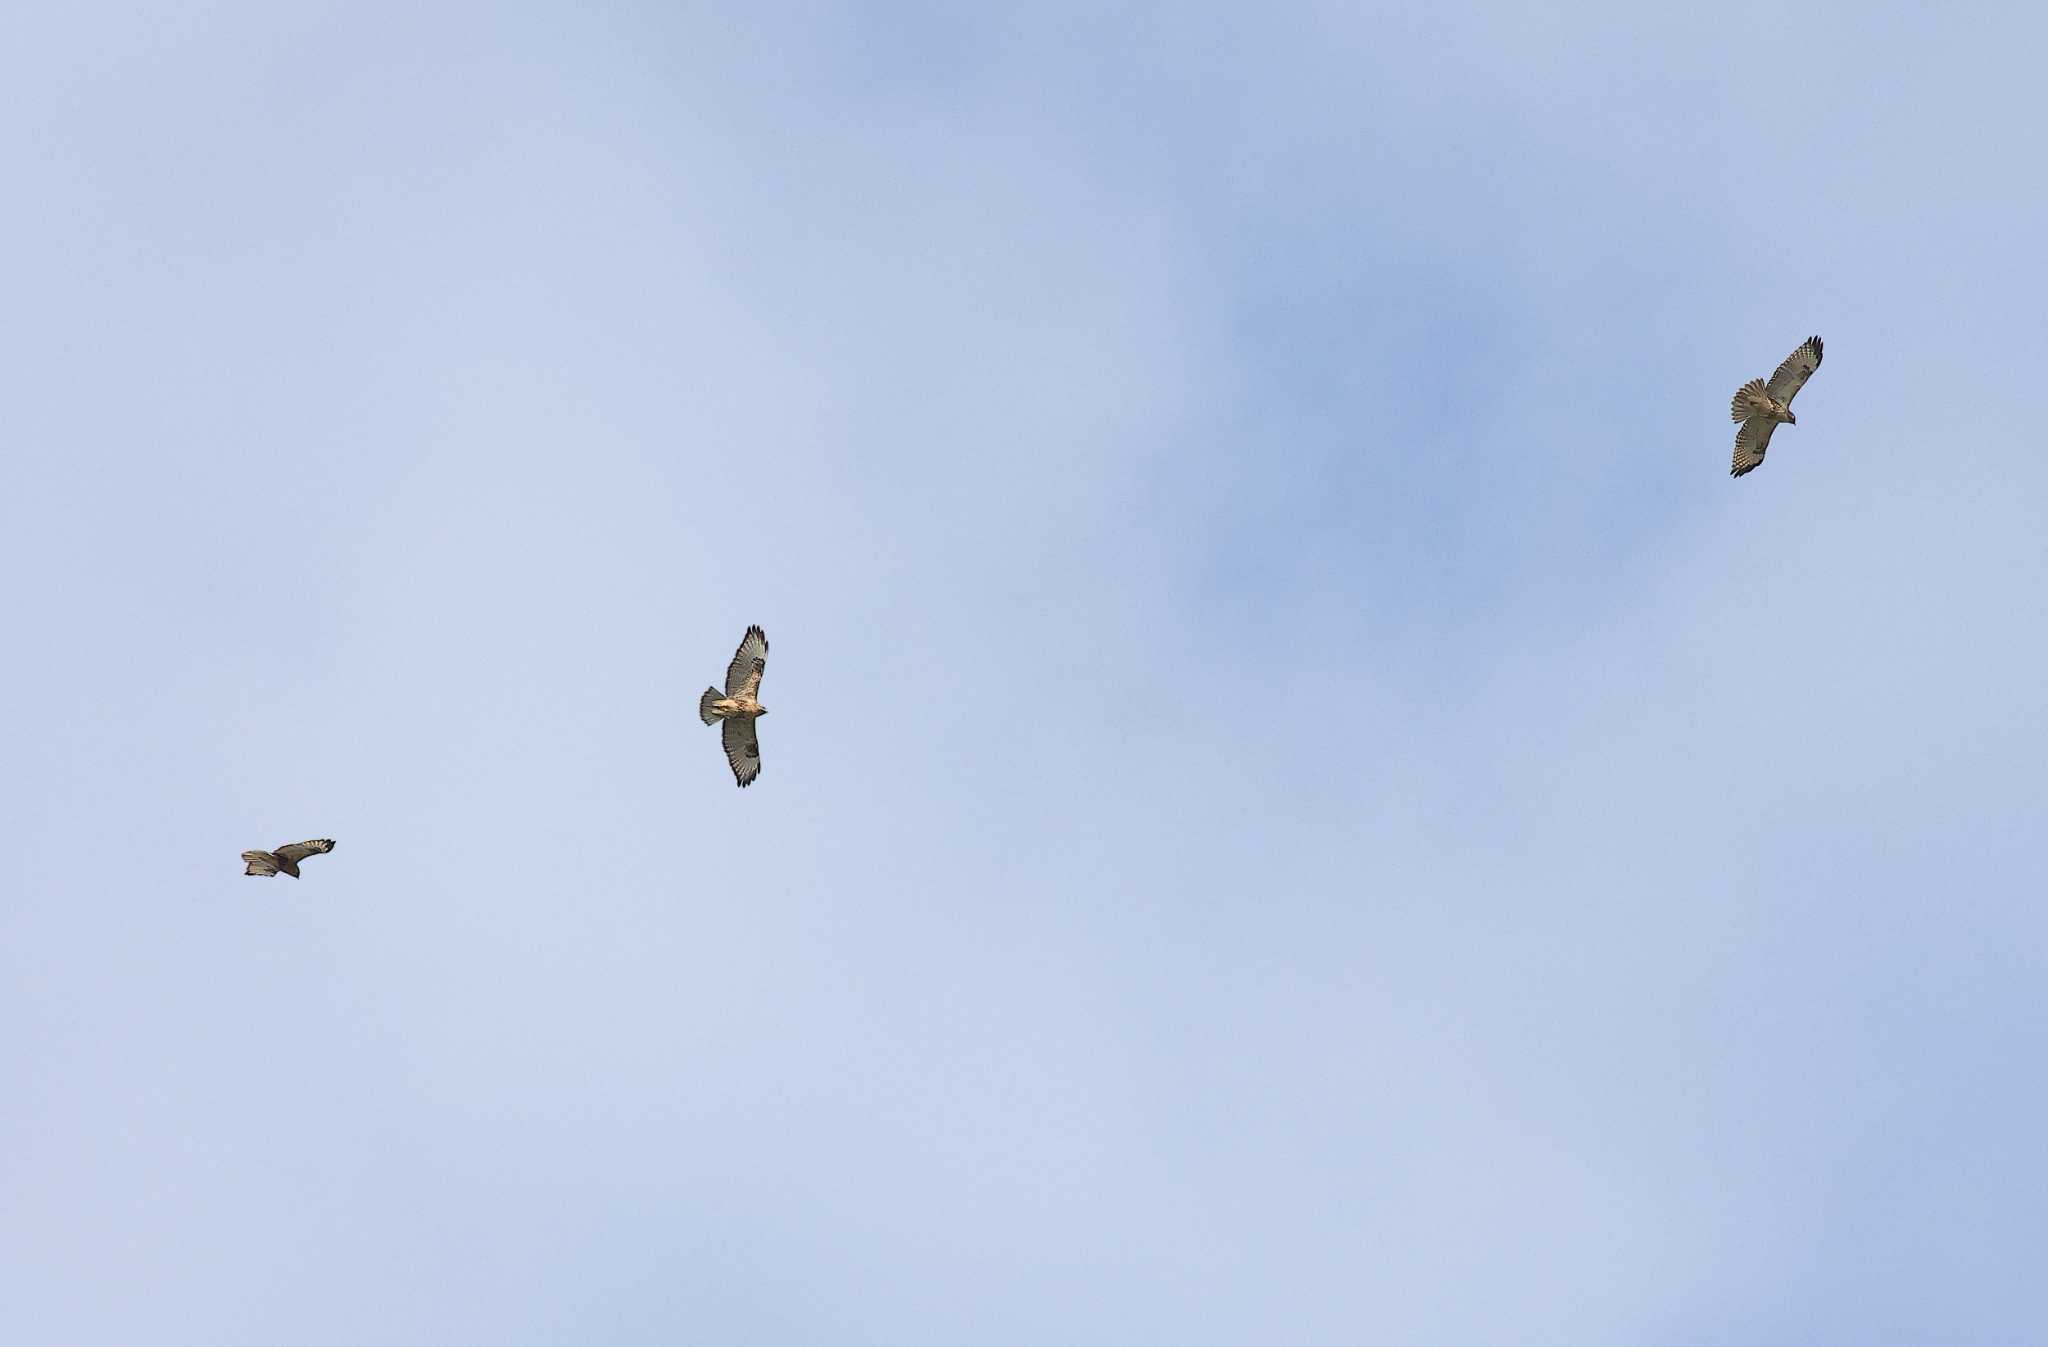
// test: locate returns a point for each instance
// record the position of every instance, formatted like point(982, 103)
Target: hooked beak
point(1791, 418)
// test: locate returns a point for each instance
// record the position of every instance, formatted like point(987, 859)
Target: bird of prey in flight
point(1761, 407)
point(739, 706)
point(285, 860)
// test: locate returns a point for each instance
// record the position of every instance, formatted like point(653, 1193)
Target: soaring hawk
point(285, 860)
point(1760, 407)
point(739, 706)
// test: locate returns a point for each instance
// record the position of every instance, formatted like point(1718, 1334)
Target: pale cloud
point(1395, 844)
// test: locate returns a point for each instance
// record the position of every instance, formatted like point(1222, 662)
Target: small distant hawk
point(285, 860)
point(738, 706)
point(1760, 406)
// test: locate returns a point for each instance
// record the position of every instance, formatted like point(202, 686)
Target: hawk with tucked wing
point(285, 860)
point(739, 706)
point(1762, 407)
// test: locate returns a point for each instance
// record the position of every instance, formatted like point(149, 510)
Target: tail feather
point(704, 710)
point(1749, 400)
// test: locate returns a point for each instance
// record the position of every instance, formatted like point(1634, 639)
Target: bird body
point(1754, 399)
point(285, 860)
point(739, 706)
point(712, 707)
point(1761, 408)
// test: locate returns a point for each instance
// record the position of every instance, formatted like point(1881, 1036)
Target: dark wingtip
point(1814, 342)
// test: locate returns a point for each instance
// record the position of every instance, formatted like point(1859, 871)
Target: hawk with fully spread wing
point(1761, 407)
point(739, 706)
point(285, 860)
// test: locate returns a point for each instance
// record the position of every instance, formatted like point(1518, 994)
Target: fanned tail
point(1748, 401)
point(704, 705)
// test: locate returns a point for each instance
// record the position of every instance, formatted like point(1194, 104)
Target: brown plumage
point(740, 706)
point(285, 860)
point(1761, 408)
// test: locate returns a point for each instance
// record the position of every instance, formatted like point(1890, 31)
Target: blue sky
point(1302, 804)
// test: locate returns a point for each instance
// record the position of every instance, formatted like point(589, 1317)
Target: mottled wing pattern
point(743, 675)
point(742, 748)
point(298, 851)
point(1797, 369)
point(1750, 443)
point(260, 863)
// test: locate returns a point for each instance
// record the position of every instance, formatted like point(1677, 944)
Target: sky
point(1300, 804)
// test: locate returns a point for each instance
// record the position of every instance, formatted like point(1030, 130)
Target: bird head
point(1790, 419)
point(762, 712)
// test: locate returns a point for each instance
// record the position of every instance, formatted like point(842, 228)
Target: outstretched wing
point(298, 851)
point(1750, 443)
point(260, 863)
point(1797, 369)
point(742, 748)
point(743, 675)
